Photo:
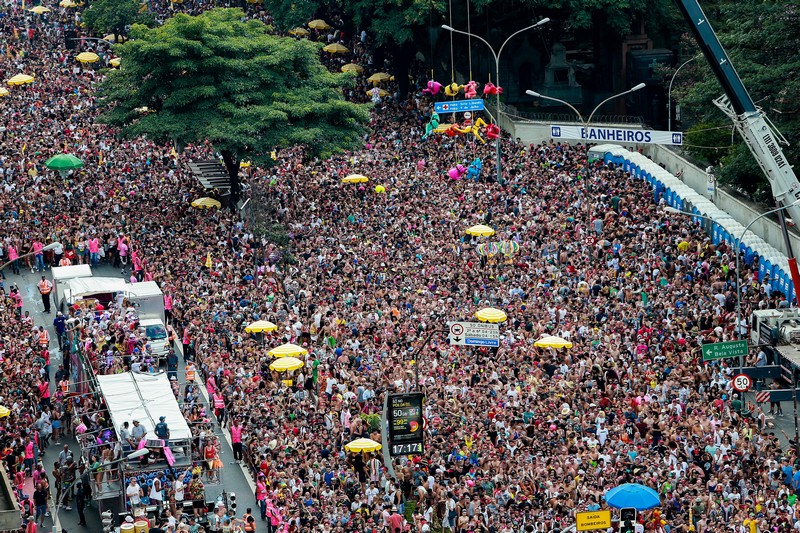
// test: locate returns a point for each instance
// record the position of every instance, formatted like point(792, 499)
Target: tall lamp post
point(585, 126)
point(497, 70)
point(669, 91)
point(738, 246)
point(131, 456)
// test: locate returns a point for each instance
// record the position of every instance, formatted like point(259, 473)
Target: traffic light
point(627, 519)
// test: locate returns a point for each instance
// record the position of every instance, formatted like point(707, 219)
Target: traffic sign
point(474, 334)
point(622, 135)
point(459, 106)
point(722, 350)
point(592, 520)
point(742, 383)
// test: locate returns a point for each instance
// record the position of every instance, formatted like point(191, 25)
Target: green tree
point(220, 78)
point(113, 16)
point(762, 39)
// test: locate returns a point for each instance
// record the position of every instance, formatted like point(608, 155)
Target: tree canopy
point(114, 16)
point(761, 39)
point(220, 78)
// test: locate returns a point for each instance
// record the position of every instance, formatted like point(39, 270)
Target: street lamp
point(669, 91)
point(585, 123)
point(497, 70)
point(131, 456)
point(738, 246)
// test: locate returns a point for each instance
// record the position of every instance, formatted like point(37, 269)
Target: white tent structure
point(144, 397)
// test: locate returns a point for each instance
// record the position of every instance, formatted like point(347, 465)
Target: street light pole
point(669, 91)
point(131, 456)
point(585, 132)
point(738, 271)
point(496, 56)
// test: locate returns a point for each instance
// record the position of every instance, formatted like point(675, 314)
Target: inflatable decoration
point(432, 124)
point(457, 171)
point(492, 131)
point(474, 170)
point(491, 88)
point(471, 90)
point(433, 88)
point(380, 189)
point(453, 89)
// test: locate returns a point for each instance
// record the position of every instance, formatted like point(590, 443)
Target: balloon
point(491, 88)
point(380, 189)
point(433, 88)
point(453, 89)
point(471, 90)
point(492, 131)
point(431, 125)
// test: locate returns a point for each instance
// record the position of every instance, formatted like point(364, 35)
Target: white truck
point(61, 277)
point(148, 300)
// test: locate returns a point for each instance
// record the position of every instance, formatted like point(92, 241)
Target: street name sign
point(610, 134)
point(474, 334)
point(722, 350)
point(459, 106)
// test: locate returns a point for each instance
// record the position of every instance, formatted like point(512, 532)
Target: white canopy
point(85, 286)
point(143, 397)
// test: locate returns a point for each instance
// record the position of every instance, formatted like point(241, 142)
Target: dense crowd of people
point(517, 438)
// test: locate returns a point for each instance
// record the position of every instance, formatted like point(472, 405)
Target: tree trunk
point(232, 166)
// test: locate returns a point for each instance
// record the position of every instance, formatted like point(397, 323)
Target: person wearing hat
point(161, 429)
point(138, 431)
point(396, 521)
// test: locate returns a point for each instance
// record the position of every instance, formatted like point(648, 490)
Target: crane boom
point(761, 137)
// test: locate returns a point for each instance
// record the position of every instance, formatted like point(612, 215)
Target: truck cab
point(157, 337)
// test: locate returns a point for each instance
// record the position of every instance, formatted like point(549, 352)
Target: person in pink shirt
point(38, 253)
point(13, 256)
point(236, 440)
point(168, 306)
point(94, 251)
point(122, 249)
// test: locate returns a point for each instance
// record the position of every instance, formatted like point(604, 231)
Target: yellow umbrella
point(110, 38)
point(286, 364)
point(3, 91)
point(114, 62)
point(39, 10)
point(552, 342)
point(319, 24)
point(67, 3)
point(378, 77)
point(20, 79)
point(206, 202)
point(4, 411)
point(336, 48)
point(490, 314)
point(300, 32)
point(480, 231)
point(87, 57)
point(355, 178)
point(260, 326)
point(363, 445)
point(245, 164)
point(381, 93)
point(287, 350)
point(352, 67)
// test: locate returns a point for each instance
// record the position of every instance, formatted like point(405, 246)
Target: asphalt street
point(233, 478)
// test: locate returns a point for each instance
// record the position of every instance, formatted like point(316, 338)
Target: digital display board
point(405, 424)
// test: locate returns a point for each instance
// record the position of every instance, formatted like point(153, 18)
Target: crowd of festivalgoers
point(517, 439)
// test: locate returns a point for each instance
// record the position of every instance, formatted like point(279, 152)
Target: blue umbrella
point(640, 497)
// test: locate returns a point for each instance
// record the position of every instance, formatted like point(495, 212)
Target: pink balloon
point(552, 427)
point(453, 173)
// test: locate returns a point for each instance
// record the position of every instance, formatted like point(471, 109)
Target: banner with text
point(610, 134)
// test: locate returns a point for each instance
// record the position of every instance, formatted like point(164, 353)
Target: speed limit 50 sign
point(742, 383)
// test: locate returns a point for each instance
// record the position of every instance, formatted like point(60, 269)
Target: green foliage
point(288, 14)
point(762, 39)
point(618, 15)
point(709, 142)
point(220, 77)
point(373, 421)
point(113, 16)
